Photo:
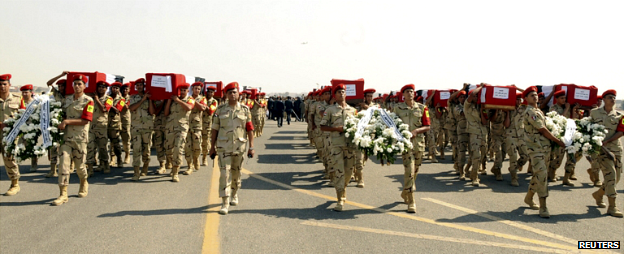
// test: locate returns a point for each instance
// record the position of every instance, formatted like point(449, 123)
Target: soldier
point(27, 98)
point(160, 121)
point(177, 111)
point(207, 122)
point(515, 145)
point(476, 127)
point(59, 95)
point(450, 127)
point(311, 109)
point(537, 139)
point(342, 157)
point(231, 130)
point(361, 157)
point(114, 122)
point(262, 115)
point(319, 135)
point(256, 115)
point(594, 170)
point(463, 138)
point(78, 110)
point(556, 157)
point(497, 132)
point(98, 138)
point(431, 133)
point(611, 166)
point(142, 112)
point(192, 149)
point(9, 105)
point(125, 122)
point(415, 115)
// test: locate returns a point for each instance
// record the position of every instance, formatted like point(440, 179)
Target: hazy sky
point(432, 44)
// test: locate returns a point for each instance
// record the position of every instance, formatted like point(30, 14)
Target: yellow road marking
point(211, 229)
point(435, 237)
point(412, 217)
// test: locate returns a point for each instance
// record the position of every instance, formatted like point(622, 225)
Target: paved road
point(285, 207)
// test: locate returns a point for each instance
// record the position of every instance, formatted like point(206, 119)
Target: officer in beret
point(9, 105)
point(59, 95)
point(98, 136)
point(207, 115)
point(360, 157)
point(126, 118)
point(192, 148)
point(142, 118)
point(27, 98)
point(114, 123)
point(177, 111)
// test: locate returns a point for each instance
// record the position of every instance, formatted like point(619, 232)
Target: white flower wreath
point(556, 124)
point(30, 131)
point(377, 138)
point(588, 137)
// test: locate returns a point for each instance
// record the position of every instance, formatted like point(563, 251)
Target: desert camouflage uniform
point(556, 156)
point(498, 134)
point(8, 108)
point(125, 127)
point(478, 133)
point(412, 160)
point(230, 123)
point(256, 117)
point(515, 146)
point(538, 147)
point(176, 129)
point(142, 125)
point(75, 139)
point(193, 146)
point(450, 126)
point(310, 114)
point(463, 140)
point(207, 125)
point(160, 121)
point(611, 169)
point(98, 138)
point(114, 128)
point(320, 136)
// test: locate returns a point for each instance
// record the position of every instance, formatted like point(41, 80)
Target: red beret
point(370, 90)
point(408, 86)
point(103, 83)
point(230, 86)
point(61, 81)
point(184, 85)
point(327, 89)
point(116, 84)
point(81, 77)
point(560, 93)
point(126, 85)
point(610, 91)
point(261, 94)
point(141, 80)
point(211, 88)
point(528, 91)
point(462, 92)
point(4, 77)
point(198, 84)
point(541, 94)
point(310, 94)
point(26, 87)
point(338, 87)
point(599, 97)
point(246, 92)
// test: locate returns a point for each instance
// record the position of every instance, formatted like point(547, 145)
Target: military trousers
point(115, 141)
point(142, 142)
point(159, 143)
point(360, 161)
point(453, 138)
point(72, 151)
point(571, 160)
point(342, 159)
point(53, 154)
point(192, 148)
point(174, 145)
point(463, 142)
point(230, 173)
point(478, 147)
point(321, 150)
point(9, 164)
point(518, 156)
point(496, 146)
point(539, 180)
point(411, 163)
point(556, 157)
point(98, 142)
point(612, 172)
point(125, 134)
point(206, 132)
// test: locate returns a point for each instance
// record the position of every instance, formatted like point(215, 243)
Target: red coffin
point(583, 95)
point(218, 85)
point(498, 97)
point(92, 79)
point(441, 97)
point(157, 84)
point(355, 88)
point(132, 90)
point(557, 88)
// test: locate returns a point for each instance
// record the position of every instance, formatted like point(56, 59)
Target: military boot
point(360, 181)
point(190, 168)
point(196, 163)
point(411, 203)
point(404, 194)
point(543, 210)
point(84, 188)
point(144, 170)
point(613, 210)
point(169, 165)
point(225, 205)
point(52, 172)
point(62, 199)
point(433, 158)
point(442, 154)
point(137, 174)
point(99, 168)
point(598, 197)
point(528, 199)
point(234, 198)
point(89, 170)
point(126, 148)
point(514, 179)
point(552, 175)
point(340, 204)
point(119, 161)
point(174, 174)
point(566, 180)
point(33, 164)
point(204, 160)
point(106, 167)
point(161, 170)
point(14, 189)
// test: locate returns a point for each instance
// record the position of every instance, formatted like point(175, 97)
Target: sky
point(295, 46)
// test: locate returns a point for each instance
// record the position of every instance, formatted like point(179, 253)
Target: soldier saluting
point(231, 129)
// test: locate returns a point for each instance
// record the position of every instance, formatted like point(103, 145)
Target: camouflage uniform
point(176, 129)
point(160, 121)
point(515, 145)
point(114, 128)
point(413, 116)
point(142, 125)
point(310, 113)
point(256, 115)
point(98, 138)
point(361, 157)
point(53, 152)
point(8, 107)
point(538, 147)
point(463, 140)
point(125, 129)
point(262, 116)
point(193, 146)
point(74, 141)
point(342, 153)
point(611, 169)
point(478, 134)
point(207, 127)
point(230, 123)
point(320, 136)
point(450, 126)
point(498, 134)
point(556, 157)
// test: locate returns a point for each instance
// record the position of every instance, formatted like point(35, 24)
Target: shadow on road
point(201, 209)
point(320, 212)
point(526, 215)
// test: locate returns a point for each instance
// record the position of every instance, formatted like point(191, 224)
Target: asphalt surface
point(285, 207)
